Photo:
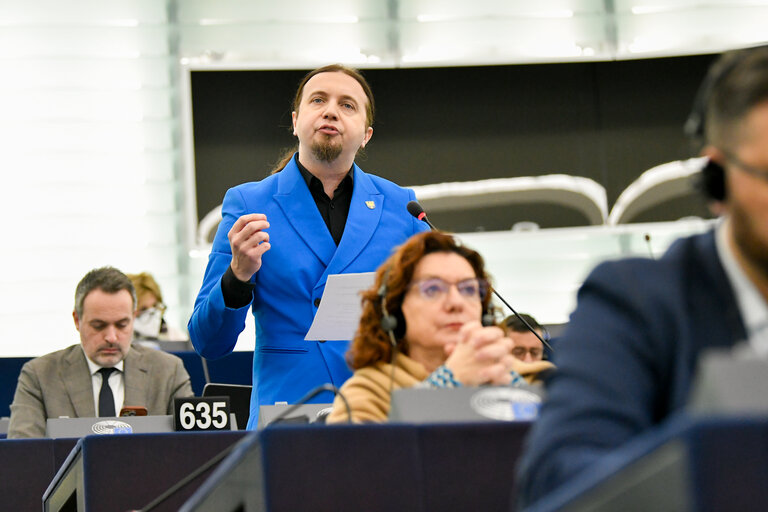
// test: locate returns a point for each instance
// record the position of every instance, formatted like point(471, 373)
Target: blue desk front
point(367, 467)
point(28, 465)
point(127, 472)
point(704, 464)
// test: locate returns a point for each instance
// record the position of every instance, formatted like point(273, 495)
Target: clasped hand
point(483, 355)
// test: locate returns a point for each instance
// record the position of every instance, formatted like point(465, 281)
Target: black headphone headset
point(389, 323)
point(712, 178)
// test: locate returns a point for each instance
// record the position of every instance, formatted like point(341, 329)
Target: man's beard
point(747, 239)
point(325, 150)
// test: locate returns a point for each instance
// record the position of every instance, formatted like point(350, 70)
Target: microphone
point(313, 393)
point(171, 491)
point(647, 238)
point(206, 373)
point(226, 451)
point(415, 209)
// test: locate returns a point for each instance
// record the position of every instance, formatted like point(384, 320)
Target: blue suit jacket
point(626, 360)
point(293, 276)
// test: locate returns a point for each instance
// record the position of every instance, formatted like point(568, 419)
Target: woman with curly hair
point(421, 326)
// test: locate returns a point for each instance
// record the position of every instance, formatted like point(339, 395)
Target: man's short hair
point(737, 82)
point(514, 324)
point(106, 279)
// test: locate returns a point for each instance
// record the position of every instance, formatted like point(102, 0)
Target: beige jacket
point(367, 391)
point(530, 371)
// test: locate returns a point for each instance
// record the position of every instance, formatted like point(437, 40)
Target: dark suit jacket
point(292, 278)
point(59, 384)
point(627, 358)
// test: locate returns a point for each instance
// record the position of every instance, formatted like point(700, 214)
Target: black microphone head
point(414, 208)
point(488, 319)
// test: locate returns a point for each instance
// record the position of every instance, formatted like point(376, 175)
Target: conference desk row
point(709, 464)
point(292, 467)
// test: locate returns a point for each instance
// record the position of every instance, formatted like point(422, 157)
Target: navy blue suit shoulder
point(626, 360)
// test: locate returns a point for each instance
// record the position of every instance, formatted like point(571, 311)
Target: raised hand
point(249, 241)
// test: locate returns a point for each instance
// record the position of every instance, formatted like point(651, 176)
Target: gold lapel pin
point(370, 204)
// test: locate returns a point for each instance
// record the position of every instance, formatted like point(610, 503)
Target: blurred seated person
point(150, 323)
point(104, 372)
point(421, 326)
point(528, 349)
point(627, 362)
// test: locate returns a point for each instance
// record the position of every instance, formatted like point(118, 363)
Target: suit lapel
point(365, 211)
point(298, 206)
point(77, 381)
point(135, 379)
point(729, 327)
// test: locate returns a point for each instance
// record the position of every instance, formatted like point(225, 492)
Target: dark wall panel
point(608, 121)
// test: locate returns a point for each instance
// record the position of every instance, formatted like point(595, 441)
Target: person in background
point(150, 321)
point(280, 238)
point(104, 372)
point(626, 361)
point(528, 349)
point(421, 326)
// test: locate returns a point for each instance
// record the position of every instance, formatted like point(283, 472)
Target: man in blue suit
point(280, 238)
point(627, 358)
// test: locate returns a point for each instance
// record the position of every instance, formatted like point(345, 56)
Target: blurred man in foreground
point(627, 358)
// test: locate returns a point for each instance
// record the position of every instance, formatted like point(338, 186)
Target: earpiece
point(712, 181)
point(388, 322)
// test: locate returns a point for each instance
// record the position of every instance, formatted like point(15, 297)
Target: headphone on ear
point(711, 181)
point(389, 323)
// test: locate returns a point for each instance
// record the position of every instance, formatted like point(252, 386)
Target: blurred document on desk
point(339, 312)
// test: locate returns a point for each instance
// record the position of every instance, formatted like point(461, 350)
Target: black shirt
point(334, 212)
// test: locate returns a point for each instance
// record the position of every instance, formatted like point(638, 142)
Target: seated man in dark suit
point(627, 359)
point(104, 372)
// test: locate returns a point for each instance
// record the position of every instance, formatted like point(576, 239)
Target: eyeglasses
point(519, 352)
point(750, 169)
point(436, 288)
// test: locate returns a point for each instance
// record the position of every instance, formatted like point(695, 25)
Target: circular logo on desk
point(506, 404)
point(323, 413)
point(111, 427)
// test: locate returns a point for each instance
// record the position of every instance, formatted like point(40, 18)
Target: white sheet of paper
point(339, 312)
